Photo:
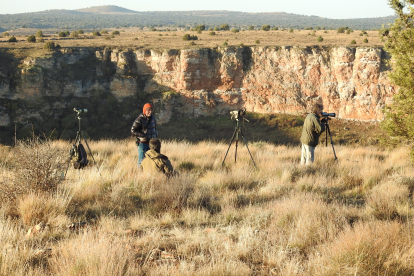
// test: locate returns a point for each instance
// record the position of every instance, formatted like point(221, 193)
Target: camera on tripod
point(326, 114)
point(80, 110)
point(237, 114)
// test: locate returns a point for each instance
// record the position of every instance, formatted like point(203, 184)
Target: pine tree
point(399, 42)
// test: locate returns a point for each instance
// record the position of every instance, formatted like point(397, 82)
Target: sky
point(335, 9)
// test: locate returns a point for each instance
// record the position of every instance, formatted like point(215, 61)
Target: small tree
point(265, 28)
point(96, 33)
point(250, 28)
point(291, 30)
point(31, 38)
point(234, 30)
point(398, 38)
point(39, 33)
point(341, 30)
point(74, 34)
point(200, 28)
point(62, 34)
point(319, 39)
point(12, 39)
point(50, 45)
point(275, 28)
point(224, 27)
point(6, 34)
point(212, 33)
point(104, 32)
point(216, 29)
point(80, 31)
point(365, 40)
point(353, 41)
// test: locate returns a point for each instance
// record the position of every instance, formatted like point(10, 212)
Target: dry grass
point(351, 217)
point(156, 40)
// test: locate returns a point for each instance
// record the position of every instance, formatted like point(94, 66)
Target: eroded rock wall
point(349, 81)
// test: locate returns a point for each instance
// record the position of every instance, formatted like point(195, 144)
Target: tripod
point(236, 133)
point(328, 130)
point(78, 140)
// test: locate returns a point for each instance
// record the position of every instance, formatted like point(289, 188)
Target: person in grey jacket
point(144, 129)
point(312, 129)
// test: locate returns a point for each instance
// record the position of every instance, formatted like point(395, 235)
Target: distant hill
point(114, 16)
point(109, 9)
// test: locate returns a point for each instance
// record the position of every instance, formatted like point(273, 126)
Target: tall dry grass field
point(354, 217)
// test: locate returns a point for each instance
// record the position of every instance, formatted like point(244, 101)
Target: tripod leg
point(245, 142)
point(86, 142)
point(328, 130)
point(72, 152)
point(235, 153)
point(231, 141)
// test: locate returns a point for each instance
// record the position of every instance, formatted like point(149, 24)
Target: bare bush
point(37, 166)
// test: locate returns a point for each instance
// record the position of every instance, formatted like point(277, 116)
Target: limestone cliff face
point(349, 81)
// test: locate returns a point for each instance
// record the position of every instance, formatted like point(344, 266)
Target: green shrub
point(365, 40)
point(250, 28)
point(187, 37)
point(62, 34)
point(116, 33)
point(257, 41)
point(216, 29)
point(39, 33)
point(224, 27)
point(265, 27)
point(291, 30)
point(353, 41)
point(225, 43)
point(234, 30)
point(191, 43)
point(211, 33)
point(342, 30)
point(74, 34)
point(319, 39)
point(80, 31)
point(104, 32)
point(275, 28)
point(96, 33)
point(200, 28)
point(50, 45)
point(6, 34)
point(12, 39)
point(31, 38)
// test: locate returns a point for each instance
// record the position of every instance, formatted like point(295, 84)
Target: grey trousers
point(308, 155)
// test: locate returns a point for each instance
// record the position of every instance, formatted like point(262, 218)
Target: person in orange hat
point(144, 129)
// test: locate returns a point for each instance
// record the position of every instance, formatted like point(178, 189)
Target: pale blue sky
point(337, 9)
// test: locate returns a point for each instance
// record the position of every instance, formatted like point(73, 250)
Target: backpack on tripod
point(79, 156)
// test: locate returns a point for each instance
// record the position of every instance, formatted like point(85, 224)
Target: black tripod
point(78, 140)
point(328, 131)
point(236, 136)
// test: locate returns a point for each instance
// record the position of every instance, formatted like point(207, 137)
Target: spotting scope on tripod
point(238, 115)
point(326, 118)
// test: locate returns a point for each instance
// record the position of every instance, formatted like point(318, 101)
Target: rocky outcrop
point(349, 81)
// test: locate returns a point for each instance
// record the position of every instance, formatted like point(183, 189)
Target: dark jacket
point(144, 128)
point(312, 129)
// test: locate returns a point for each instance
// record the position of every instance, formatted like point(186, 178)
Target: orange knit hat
point(147, 105)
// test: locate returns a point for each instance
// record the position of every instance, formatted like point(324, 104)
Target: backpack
point(80, 157)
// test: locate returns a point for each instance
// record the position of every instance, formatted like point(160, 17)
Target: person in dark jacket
point(312, 129)
point(144, 129)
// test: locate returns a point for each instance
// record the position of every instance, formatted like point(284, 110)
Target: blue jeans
point(142, 149)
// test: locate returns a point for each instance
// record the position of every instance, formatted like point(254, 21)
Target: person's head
point(155, 144)
point(317, 108)
point(147, 110)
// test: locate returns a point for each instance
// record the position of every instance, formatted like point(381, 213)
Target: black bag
point(81, 158)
